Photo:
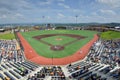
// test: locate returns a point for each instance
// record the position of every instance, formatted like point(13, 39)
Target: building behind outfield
point(2, 30)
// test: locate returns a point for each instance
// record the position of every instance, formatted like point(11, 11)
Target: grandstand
point(102, 62)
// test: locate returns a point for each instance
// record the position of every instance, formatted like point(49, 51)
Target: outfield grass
point(44, 50)
point(110, 35)
point(7, 36)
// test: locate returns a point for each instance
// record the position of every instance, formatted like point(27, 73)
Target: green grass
point(52, 40)
point(44, 50)
point(110, 35)
point(7, 36)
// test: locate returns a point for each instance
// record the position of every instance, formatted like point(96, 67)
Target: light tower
point(76, 18)
point(43, 17)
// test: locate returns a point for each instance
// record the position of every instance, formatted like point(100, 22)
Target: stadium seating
point(102, 63)
point(55, 72)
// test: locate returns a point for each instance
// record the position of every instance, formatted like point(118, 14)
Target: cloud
point(4, 11)
point(94, 13)
point(63, 5)
point(47, 2)
point(108, 12)
point(9, 9)
point(48, 17)
point(14, 16)
point(45, 17)
point(60, 15)
point(3, 16)
point(110, 3)
point(29, 10)
point(14, 4)
point(62, 0)
point(18, 14)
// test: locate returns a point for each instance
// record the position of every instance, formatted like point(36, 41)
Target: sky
point(59, 11)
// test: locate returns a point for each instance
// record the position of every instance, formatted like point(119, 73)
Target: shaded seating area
point(14, 74)
point(1, 76)
point(116, 74)
point(72, 68)
point(106, 70)
point(9, 76)
point(94, 76)
point(16, 71)
point(79, 73)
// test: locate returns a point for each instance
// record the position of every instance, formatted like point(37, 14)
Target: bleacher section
point(102, 63)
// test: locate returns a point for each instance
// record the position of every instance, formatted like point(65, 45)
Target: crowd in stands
point(102, 63)
point(109, 53)
point(55, 72)
point(86, 71)
point(9, 51)
point(116, 74)
point(13, 65)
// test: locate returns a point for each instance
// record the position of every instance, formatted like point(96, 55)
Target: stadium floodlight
point(76, 18)
point(43, 17)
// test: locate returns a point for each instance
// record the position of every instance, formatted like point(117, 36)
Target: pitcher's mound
point(58, 39)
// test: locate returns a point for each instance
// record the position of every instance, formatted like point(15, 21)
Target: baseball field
point(58, 43)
